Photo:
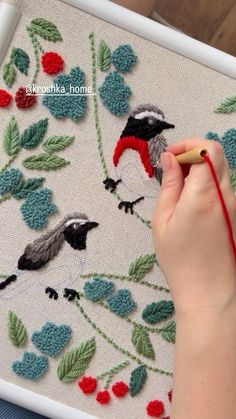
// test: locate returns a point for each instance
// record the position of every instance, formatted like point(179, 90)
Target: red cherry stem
point(113, 371)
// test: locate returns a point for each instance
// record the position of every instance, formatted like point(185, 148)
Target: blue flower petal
point(62, 105)
point(37, 207)
point(9, 180)
point(124, 58)
point(114, 94)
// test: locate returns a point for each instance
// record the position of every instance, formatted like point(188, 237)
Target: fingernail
point(166, 162)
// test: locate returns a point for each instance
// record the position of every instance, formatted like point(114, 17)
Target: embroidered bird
point(73, 229)
point(142, 133)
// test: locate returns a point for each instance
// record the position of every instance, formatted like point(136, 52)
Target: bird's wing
point(46, 247)
point(156, 146)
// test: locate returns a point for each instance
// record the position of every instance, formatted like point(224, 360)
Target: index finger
point(214, 149)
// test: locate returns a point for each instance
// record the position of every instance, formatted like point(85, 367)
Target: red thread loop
point(223, 205)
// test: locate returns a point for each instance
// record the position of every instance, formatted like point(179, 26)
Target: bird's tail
point(8, 281)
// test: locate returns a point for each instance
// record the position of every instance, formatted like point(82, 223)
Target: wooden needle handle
point(192, 156)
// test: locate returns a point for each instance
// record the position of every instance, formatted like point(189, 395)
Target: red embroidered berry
point(170, 395)
point(23, 99)
point(5, 98)
point(88, 385)
point(52, 62)
point(155, 408)
point(120, 389)
point(103, 397)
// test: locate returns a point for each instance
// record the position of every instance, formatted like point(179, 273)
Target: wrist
point(203, 326)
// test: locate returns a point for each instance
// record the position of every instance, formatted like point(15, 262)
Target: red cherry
point(170, 395)
point(103, 397)
point(88, 385)
point(52, 62)
point(155, 408)
point(24, 100)
point(5, 98)
point(120, 389)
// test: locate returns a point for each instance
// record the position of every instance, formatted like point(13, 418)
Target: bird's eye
point(151, 121)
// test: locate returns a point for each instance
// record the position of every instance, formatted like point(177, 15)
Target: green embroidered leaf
point(21, 60)
point(233, 178)
point(156, 312)
point(9, 74)
point(142, 343)
point(228, 106)
point(141, 265)
point(104, 56)
point(168, 332)
point(16, 330)
point(44, 161)
point(11, 138)
point(32, 136)
point(26, 186)
point(47, 30)
point(137, 380)
point(75, 362)
point(57, 143)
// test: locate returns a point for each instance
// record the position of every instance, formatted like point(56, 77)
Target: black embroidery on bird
point(71, 294)
point(145, 124)
point(7, 281)
point(111, 184)
point(76, 234)
point(129, 206)
point(52, 293)
point(72, 229)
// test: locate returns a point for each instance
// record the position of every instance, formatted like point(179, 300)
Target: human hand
point(190, 233)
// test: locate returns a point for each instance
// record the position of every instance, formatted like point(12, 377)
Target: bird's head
point(76, 230)
point(145, 122)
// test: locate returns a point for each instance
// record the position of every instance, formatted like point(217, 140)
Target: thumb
point(172, 185)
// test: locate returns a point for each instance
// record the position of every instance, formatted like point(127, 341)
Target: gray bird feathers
point(73, 228)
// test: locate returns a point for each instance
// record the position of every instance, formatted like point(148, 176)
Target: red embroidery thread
point(155, 408)
point(120, 389)
point(52, 62)
point(5, 98)
point(137, 144)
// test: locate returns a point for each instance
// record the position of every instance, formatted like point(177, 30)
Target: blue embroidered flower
point(114, 94)
point(121, 303)
point(52, 339)
point(228, 142)
point(62, 101)
point(31, 366)
point(37, 207)
point(9, 180)
point(98, 289)
point(124, 58)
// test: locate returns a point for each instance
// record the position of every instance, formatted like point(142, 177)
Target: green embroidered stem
point(97, 125)
point(8, 163)
point(5, 198)
point(36, 47)
point(110, 374)
point(95, 106)
point(117, 347)
point(126, 278)
point(133, 322)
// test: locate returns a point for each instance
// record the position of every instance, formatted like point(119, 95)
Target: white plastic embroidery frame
point(190, 157)
point(9, 16)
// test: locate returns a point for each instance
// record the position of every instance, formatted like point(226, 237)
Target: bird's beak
point(91, 224)
point(166, 125)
